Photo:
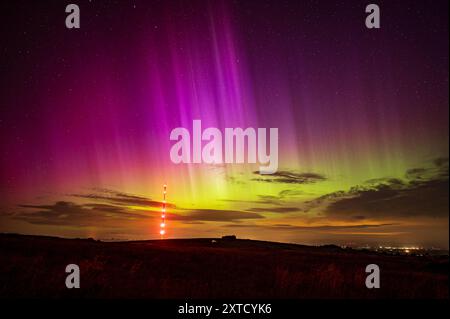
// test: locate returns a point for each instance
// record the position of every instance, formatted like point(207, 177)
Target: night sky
point(362, 115)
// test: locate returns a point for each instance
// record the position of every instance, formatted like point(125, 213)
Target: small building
point(229, 237)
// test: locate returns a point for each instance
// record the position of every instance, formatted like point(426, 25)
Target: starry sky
point(362, 115)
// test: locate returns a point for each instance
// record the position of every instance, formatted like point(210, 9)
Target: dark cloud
point(438, 169)
point(281, 209)
point(110, 208)
point(441, 162)
point(120, 198)
point(427, 198)
point(103, 207)
point(215, 215)
point(235, 180)
point(289, 177)
point(68, 213)
point(424, 193)
point(263, 200)
point(277, 200)
point(288, 193)
point(415, 173)
point(381, 181)
point(71, 214)
point(268, 200)
point(282, 195)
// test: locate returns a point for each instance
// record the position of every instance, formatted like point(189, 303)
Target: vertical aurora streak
point(89, 112)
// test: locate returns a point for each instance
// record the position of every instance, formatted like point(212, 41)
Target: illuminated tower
point(162, 230)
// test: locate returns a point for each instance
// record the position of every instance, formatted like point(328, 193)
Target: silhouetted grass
point(33, 266)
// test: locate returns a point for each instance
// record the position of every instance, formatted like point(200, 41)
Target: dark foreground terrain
point(34, 266)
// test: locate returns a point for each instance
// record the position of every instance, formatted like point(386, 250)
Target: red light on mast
point(162, 230)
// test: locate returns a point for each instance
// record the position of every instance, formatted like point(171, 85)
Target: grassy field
point(34, 266)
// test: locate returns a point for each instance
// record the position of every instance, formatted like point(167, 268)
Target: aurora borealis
point(362, 117)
